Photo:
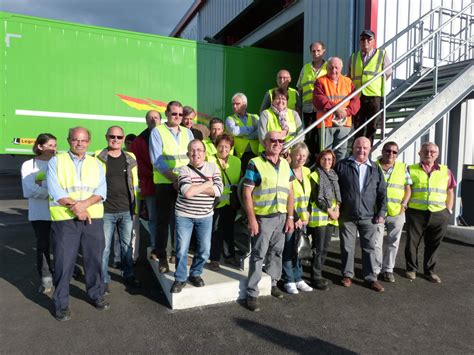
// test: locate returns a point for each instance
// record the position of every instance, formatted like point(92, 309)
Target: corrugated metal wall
point(191, 31)
point(336, 23)
point(216, 14)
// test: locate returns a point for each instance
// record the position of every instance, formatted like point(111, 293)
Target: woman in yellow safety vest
point(324, 204)
point(292, 274)
point(33, 180)
point(279, 118)
point(225, 211)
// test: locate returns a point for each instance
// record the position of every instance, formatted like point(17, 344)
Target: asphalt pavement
point(410, 317)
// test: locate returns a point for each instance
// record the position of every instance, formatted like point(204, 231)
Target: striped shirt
point(200, 205)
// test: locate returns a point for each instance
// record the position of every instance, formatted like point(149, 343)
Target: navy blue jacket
point(371, 201)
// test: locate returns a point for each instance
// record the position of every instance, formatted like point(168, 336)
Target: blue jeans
point(292, 268)
point(124, 223)
point(184, 230)
point(150, 225)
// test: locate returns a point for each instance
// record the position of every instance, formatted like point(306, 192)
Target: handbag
point(233, 198)
point(303, 244)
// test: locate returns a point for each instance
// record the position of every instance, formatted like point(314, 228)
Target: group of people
point(181, 178)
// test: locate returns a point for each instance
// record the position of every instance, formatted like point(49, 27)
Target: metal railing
point(433, 41)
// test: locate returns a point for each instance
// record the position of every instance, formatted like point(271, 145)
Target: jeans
point(184, 230)
point(150, 225)
point(292, 268)
point(124, 223)
point(332, 137)
point(43, 261)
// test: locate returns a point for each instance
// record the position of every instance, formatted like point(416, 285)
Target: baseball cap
point(367, 33)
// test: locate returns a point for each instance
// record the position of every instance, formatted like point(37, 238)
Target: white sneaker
point(303, 286)
point(290, 287)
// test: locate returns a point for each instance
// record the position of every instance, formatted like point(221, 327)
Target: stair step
point(396, 114)
point(408, 103)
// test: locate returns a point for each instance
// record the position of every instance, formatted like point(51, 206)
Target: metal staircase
point(434, 73)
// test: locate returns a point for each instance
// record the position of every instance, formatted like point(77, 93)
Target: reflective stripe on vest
point(77, 189)
point(395, 188)
point(429, 193)
point(174, 153)
point(302, 195)
point(317, 217)
point(307, 81)
point(271, 196)
point(273, 124)
point(241, 143)
point(292, 94)
point(233, 172)
point(335, 93)
point(362, 74)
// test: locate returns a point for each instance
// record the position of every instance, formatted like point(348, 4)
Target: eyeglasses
point(388, 151)
point(275, 141)
point(197, 151)
point(112, 136)
point(176, 114)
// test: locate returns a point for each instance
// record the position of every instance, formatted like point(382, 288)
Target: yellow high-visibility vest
point(77, 189)
point(306, 84)
point(429, 193)
point(395, 188)
point(241, 143)
point(292, 95)
point(232, 169)
point(302, 192)
point(174, 153)
point(318, 217)
point(362, 74)
point(271, 196)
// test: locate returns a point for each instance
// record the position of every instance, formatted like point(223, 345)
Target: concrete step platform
point(227, 285)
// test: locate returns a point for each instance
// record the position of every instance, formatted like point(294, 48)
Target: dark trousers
point(321, 238)
point(67, 237)
point(165, 200)
point(311, 138)
point(430, 226)
point(222, 230)
point(43, 260)
point(369, 105)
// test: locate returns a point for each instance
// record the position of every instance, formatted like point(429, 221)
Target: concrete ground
point(413, 317)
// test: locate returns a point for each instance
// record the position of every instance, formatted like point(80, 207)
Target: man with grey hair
point(330, 90)
point(243, 127)
point(429, 209)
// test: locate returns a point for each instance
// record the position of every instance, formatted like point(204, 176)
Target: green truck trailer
point(55, 75)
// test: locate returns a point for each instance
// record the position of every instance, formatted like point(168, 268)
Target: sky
point(148, 16)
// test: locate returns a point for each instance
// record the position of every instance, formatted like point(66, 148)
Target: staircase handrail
point(356, 92)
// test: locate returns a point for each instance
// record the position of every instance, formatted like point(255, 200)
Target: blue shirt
point(156, 146)
point(362, 169)
point(57, 192)
point(233, 128)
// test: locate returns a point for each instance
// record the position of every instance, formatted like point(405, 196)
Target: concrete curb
point(461, 234)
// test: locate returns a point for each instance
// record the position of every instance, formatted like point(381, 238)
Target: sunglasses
point(176, 114)
point(275, 141)
point(391, 151)
point(111, 136)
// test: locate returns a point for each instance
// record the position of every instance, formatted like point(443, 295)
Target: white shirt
point(37, 195)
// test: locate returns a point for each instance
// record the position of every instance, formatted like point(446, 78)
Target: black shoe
point(196, 281)
point(101, 304)
point(106, 289)
point(63, 314)
point(132, 282)
point(252, 304)
point(177, 286)
point(276, 292)
point(321, 284)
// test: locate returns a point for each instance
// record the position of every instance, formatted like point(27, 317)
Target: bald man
point(362, 210)
point(283, 80)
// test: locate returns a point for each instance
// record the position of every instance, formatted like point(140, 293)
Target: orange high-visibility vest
point(335, 93)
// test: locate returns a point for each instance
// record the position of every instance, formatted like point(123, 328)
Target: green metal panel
point(56, 75)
